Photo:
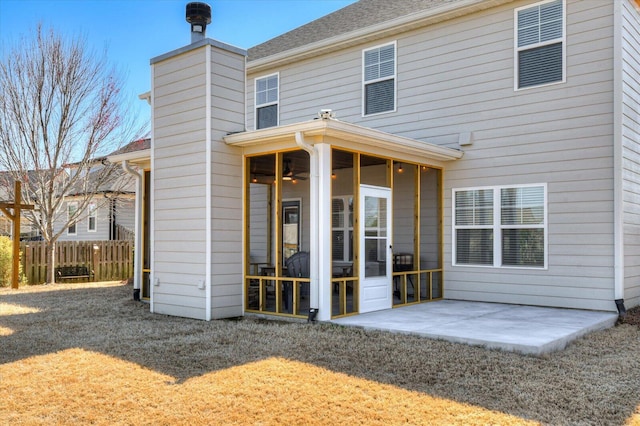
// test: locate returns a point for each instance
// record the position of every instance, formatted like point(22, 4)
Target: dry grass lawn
point(88, 354)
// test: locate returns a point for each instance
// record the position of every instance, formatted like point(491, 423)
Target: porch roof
point(135, 157)
point(344, 135)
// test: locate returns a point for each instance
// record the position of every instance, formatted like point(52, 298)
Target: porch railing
point(344, 296)
point(277, 295)
point(410, 287)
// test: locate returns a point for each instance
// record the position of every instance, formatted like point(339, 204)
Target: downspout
point(314, 237)
point(208, 184)
point(618, 192)
point(137, 254)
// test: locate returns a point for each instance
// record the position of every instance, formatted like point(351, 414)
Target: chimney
point(198, 15)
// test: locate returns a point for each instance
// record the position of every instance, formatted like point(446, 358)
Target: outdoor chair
point(298, 266)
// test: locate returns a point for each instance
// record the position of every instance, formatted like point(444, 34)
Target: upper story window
point(379, 79)
point(500, 226)
point(267, 96)
point(92, 218)
point(540, 44)
point(72, 208)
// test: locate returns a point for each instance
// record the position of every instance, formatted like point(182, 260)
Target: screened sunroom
point(340, 220)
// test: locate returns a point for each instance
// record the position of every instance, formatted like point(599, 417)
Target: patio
point(524, 329)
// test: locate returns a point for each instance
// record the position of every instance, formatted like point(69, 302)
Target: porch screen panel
point(430, 208)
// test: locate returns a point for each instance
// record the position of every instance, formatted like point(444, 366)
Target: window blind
point(540, 65)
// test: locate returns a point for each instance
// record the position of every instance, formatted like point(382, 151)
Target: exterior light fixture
point(400, 169)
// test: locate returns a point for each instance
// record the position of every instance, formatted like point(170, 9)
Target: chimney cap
point(198, 13)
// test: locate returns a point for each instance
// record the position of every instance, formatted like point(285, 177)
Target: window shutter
point(540, 65)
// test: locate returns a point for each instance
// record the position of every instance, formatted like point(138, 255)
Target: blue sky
point(134, 31)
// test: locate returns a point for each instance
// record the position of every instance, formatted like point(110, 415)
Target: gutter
point(314, 239)
point(137, 254)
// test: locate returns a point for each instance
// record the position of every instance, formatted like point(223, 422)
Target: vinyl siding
point(178, 152)
point(180, 183)
point(631, 150)
point(124, 216)
point(457, 76)
point(227, 116)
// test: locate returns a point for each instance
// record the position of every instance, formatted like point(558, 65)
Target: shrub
point(6, 252)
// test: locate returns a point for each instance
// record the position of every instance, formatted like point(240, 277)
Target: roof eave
point(318, 130)
point(373, 32)
point(134, 156)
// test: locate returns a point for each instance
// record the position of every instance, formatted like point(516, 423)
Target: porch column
point(324, 230)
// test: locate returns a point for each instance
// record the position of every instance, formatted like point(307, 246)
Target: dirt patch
point(90, 354)
point(632, 317)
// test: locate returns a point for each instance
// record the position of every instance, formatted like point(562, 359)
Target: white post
point(324, 230)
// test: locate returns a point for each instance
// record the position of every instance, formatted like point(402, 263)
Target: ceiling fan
point(288, 174)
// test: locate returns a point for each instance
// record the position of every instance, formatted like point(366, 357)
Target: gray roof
point(137, 145)
point(356, 16)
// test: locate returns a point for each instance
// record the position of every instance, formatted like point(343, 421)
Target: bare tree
point(61, 109)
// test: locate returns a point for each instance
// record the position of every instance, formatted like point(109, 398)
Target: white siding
point(227, 116)
point(181, 183)
point(457, 76)
point(631, 150)
point(179, 179)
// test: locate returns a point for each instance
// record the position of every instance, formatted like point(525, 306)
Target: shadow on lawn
point(594, 381)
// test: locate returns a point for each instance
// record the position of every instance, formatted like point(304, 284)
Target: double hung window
point(379, 79)
point(500, 226)
point(72, 208)
point(92, 218)
point(267, 97)
point(540, 44)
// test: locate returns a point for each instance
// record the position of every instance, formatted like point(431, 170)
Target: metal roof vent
point(198, 15)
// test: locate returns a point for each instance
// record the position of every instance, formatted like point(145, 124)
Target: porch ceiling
point(343, 135)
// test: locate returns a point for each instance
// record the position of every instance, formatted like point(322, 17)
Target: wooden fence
point(110, 260)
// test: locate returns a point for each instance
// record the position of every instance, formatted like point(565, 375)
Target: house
point(110, 215)
point(483, 150)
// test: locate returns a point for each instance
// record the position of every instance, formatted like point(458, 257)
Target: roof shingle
point(356, 16)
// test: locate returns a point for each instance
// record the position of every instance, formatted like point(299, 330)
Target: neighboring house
point(108, 217)
point(111, 213)
point(483, 150)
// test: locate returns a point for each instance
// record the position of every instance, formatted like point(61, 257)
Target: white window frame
point(517, 50)
point(497, 226)
point(74, 224)
point(266, 104)
point(366, 82)
point(92, 214)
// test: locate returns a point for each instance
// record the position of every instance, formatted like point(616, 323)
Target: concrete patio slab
point(525, 329)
